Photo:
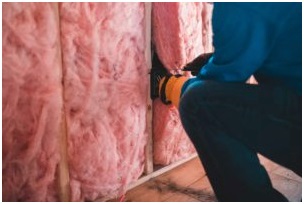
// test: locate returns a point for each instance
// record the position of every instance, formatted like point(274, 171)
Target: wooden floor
point(188, 183)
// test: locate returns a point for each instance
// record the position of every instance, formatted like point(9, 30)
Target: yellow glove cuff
point(173, 88)
point(174, 95)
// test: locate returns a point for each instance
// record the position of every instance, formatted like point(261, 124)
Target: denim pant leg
point(229, 123)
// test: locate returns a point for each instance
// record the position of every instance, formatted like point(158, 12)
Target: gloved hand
point(170, 88)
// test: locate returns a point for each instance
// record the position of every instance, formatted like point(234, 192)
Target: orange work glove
point(170, 88)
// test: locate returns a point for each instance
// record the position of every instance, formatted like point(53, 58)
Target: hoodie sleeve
point(242, 40)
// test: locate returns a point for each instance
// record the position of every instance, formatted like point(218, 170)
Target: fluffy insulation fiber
point(105, 88)
point(83, 65)
point(31, 101)
point(181, 32)
point(170, 140)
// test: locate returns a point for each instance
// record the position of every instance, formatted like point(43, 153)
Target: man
point(229, 121)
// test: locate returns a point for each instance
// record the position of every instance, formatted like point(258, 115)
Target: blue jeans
point(229, 123)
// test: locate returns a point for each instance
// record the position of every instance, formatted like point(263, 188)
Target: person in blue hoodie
point(229, 121)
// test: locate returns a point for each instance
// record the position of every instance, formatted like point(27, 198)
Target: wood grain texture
point(149, 147)
point(63, 179)
point(190, 184)
point(183, 175)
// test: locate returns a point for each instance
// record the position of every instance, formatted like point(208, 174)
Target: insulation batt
point(181, 32)
point(207, 27)
point(170, 140)
point(31, 101)
point(105, 86)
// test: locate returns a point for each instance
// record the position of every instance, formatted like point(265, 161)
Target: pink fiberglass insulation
point(181, 32)
point(207, 27)
point(170, 140)
point(31, 101)
point(105, 84)
point(177, 32)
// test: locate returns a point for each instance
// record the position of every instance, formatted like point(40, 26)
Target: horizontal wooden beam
point(159, 172)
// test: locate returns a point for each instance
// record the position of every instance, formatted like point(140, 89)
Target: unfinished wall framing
point(78, 123)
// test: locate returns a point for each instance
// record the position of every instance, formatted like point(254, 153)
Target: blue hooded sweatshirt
point(260, 39)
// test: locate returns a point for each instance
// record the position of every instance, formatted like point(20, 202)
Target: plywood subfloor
point(188, 183)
